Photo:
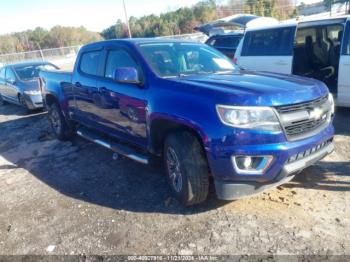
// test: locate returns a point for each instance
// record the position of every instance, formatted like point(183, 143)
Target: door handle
point(102, 89)
point(78, 84)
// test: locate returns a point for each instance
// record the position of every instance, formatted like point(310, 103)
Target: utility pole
point(127, 20)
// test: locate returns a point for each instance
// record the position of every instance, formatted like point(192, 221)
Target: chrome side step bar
point(115, 147)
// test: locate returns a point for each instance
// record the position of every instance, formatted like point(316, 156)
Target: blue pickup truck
point(189, 106)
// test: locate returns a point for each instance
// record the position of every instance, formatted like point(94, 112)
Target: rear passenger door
point(343, 96)
point(268, 50)
point(84, 86)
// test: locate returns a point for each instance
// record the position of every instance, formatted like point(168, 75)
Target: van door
point(343, 94)
point(268, 50)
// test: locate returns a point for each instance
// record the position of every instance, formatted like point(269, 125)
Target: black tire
point(189, 178)
point(2, 101)
point(22, 101)
point(58, 123)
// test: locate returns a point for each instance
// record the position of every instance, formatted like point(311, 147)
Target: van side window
point(270, 42)
point(118, 58)
point(89, 62)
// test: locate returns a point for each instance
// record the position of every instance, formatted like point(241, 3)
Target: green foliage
point(181, 21)
point(40, 38)
point(280, 9)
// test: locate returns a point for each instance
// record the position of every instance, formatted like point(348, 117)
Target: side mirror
point(128, 75)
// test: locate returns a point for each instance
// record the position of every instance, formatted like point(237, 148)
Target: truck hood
point(259, 88)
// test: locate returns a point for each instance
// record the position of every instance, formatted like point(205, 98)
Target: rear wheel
point(58, 123)
point(186, 168)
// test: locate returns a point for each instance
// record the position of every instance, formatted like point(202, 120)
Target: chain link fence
point(59, 56)
point(65, 57)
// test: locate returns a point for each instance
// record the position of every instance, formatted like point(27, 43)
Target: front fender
point(171, 122)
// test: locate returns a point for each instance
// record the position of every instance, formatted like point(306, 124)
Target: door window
point(117, 59)
point(10, 75)
point(227, 42)
point(270, 42)
point(90, 62)
point(2, 74)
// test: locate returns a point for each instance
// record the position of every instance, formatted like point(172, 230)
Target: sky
point(95, 15)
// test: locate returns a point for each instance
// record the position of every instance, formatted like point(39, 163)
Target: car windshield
point(181, 59)
point(30, 72)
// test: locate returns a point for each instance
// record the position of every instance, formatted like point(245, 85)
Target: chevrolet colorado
point(191, 106)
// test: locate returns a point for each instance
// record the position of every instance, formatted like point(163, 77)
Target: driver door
point(123, 106)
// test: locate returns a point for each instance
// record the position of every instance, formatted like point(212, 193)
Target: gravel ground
point(72, 198)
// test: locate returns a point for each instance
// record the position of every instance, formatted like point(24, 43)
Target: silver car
point(19, 83)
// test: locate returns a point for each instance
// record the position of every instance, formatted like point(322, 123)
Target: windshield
point(30, 72)
point(181, 59)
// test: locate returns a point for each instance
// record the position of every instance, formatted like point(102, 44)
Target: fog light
point(252, 165)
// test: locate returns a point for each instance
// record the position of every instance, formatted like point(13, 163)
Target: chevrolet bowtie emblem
point(316, 113)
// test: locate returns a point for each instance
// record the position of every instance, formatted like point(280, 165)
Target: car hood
point(259, 88)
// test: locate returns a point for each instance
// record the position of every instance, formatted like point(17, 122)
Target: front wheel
point(58, 123)
point(23, 102)
point(186, 168)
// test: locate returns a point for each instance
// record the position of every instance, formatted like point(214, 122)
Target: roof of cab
point(134, 41)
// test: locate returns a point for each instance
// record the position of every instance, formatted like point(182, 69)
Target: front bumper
point(236, 190)
point(34, 101)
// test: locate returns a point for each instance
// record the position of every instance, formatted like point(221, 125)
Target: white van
point(318, 49)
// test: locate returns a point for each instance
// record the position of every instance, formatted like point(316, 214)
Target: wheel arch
point(161, 127)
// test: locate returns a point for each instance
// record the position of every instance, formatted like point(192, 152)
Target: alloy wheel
point(174, 170)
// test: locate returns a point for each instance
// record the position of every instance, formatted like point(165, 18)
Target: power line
point(127, 20)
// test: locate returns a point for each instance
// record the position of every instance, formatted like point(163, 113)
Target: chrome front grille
point(302, 106)
point(302, 120)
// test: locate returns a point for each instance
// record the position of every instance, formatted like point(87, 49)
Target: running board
point(115, 147)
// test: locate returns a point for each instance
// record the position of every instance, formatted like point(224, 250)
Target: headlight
point(331, 101)
point(257, 118)
point(32, 92)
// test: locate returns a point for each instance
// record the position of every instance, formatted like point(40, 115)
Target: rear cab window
point(269, 42)
point(89, 62)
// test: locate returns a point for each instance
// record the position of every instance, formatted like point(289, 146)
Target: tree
point(328, 4)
